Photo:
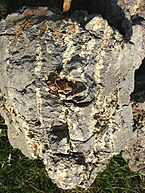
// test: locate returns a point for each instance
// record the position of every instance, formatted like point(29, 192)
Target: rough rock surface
point(135, 152)
point(65, 91)
point(133, 8)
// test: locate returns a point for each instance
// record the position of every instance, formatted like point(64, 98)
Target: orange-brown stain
point(31, 12)
point(43, 28)
point(71, 29)
point(20, 27)
point(57, 85)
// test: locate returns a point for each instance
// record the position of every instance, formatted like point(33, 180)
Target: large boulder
point(66, 85)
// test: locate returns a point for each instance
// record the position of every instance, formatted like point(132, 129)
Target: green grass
point(19, 174)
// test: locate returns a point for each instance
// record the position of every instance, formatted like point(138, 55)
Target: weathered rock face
point(65, 91)
point(135, 152)
point(133, 8)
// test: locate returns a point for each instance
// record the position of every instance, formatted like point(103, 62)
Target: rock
point(133, 8)
point(135, 152)
point(65, 91)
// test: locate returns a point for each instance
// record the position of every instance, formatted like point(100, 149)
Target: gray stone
point(65, 91)
point(132, 8)
point(134, 154)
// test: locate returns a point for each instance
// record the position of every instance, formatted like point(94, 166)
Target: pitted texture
point(135, 152)
point(65, 91)
point(133, 8)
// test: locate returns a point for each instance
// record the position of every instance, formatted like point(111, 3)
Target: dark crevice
point(24, 90)
point(78, 157)
point(61, 155)
point(37, 123)
point(59, 68)
point(138, 95)
point(7, 34)
point(85, 140)
point(58, 132)
point(136, 19)
point(78, 104)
